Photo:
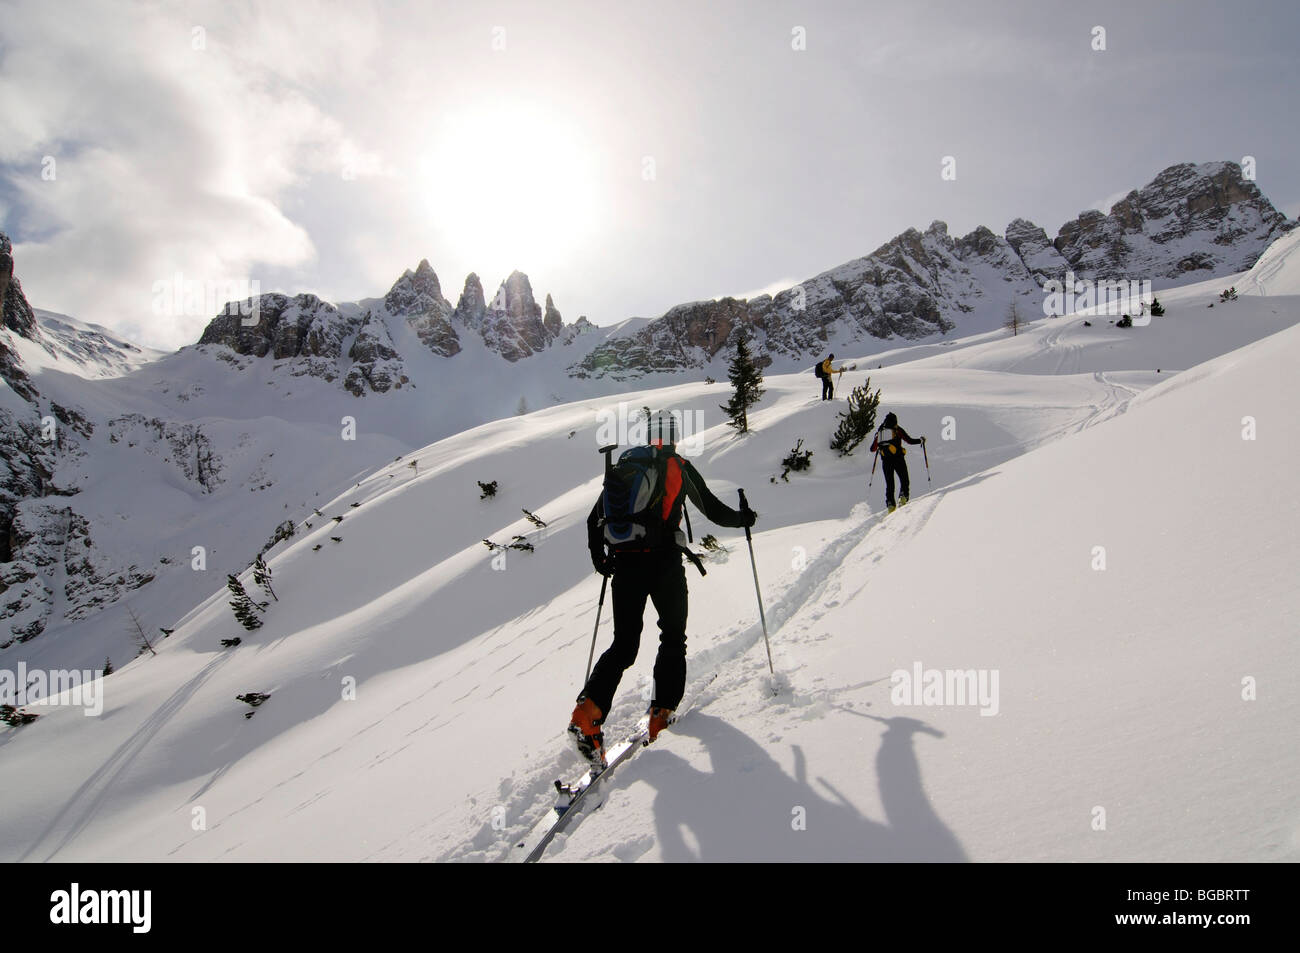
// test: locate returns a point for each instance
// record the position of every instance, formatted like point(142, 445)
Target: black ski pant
point(828, 387)
point(661, 578)
point(893, 463)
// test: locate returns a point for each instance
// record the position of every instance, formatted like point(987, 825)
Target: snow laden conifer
point(262, 576)
point(747, 383)
point(859, 421)
point(244, 607)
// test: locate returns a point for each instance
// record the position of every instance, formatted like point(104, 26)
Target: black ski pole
point(744, 508)
point(926, 455)
point(873, 462)
point(604, 581)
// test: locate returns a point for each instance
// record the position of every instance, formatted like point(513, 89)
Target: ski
point(570, 798)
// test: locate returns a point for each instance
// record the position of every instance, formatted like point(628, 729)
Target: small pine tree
point(1157, 309)
point(108, 666)
point(859, 421)
point(244, 607)
point(747, 383)
point(262, 576)
point(284, 531)
point(486, 489)
point(797, 459)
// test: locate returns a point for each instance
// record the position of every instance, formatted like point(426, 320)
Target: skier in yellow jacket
point(825, 370)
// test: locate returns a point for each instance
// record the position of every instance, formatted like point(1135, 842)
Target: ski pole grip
point(609, 464)
point(744, 504)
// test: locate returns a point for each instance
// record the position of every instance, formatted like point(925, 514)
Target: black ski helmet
point(890, 420)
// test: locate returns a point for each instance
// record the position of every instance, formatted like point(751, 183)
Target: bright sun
point(510, 187)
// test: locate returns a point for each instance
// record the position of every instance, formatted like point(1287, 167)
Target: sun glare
point(510, 187)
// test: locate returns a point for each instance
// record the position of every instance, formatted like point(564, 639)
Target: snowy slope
point(1119, 688)
point(80, 348)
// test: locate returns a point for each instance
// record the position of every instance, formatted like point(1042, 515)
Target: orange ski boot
point(660, 718)
point(585, 728)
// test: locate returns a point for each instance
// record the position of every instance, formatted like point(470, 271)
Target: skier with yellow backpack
point(888, 444)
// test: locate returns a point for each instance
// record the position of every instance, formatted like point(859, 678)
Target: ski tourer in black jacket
point(653, 572)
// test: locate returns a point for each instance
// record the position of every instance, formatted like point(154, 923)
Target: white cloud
point(169, 158)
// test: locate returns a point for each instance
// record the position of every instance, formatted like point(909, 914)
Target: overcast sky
point(626, 156)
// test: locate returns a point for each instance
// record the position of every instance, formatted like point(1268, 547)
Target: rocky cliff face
point(916, 285)
point(282, 327)
point(45, 544)
point(1190, 222)
point(359, 346)
point(513, 325)
point(417, 297)
point(17, 317)
point(1036, 251)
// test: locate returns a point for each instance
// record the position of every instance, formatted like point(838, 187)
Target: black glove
point(603, 564)
point(749, 517)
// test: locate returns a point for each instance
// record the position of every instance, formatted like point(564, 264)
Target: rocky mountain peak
point(1188, 222)
point(471, 308)
point(1036, 250)
point(513, 325)
point(551, 318)
point(515, 298)
point(417, 293)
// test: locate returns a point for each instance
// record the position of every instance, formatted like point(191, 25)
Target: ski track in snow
point(876, 533)
point(81, 809)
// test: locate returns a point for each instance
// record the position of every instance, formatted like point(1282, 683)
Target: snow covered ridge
point(1190, 223)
